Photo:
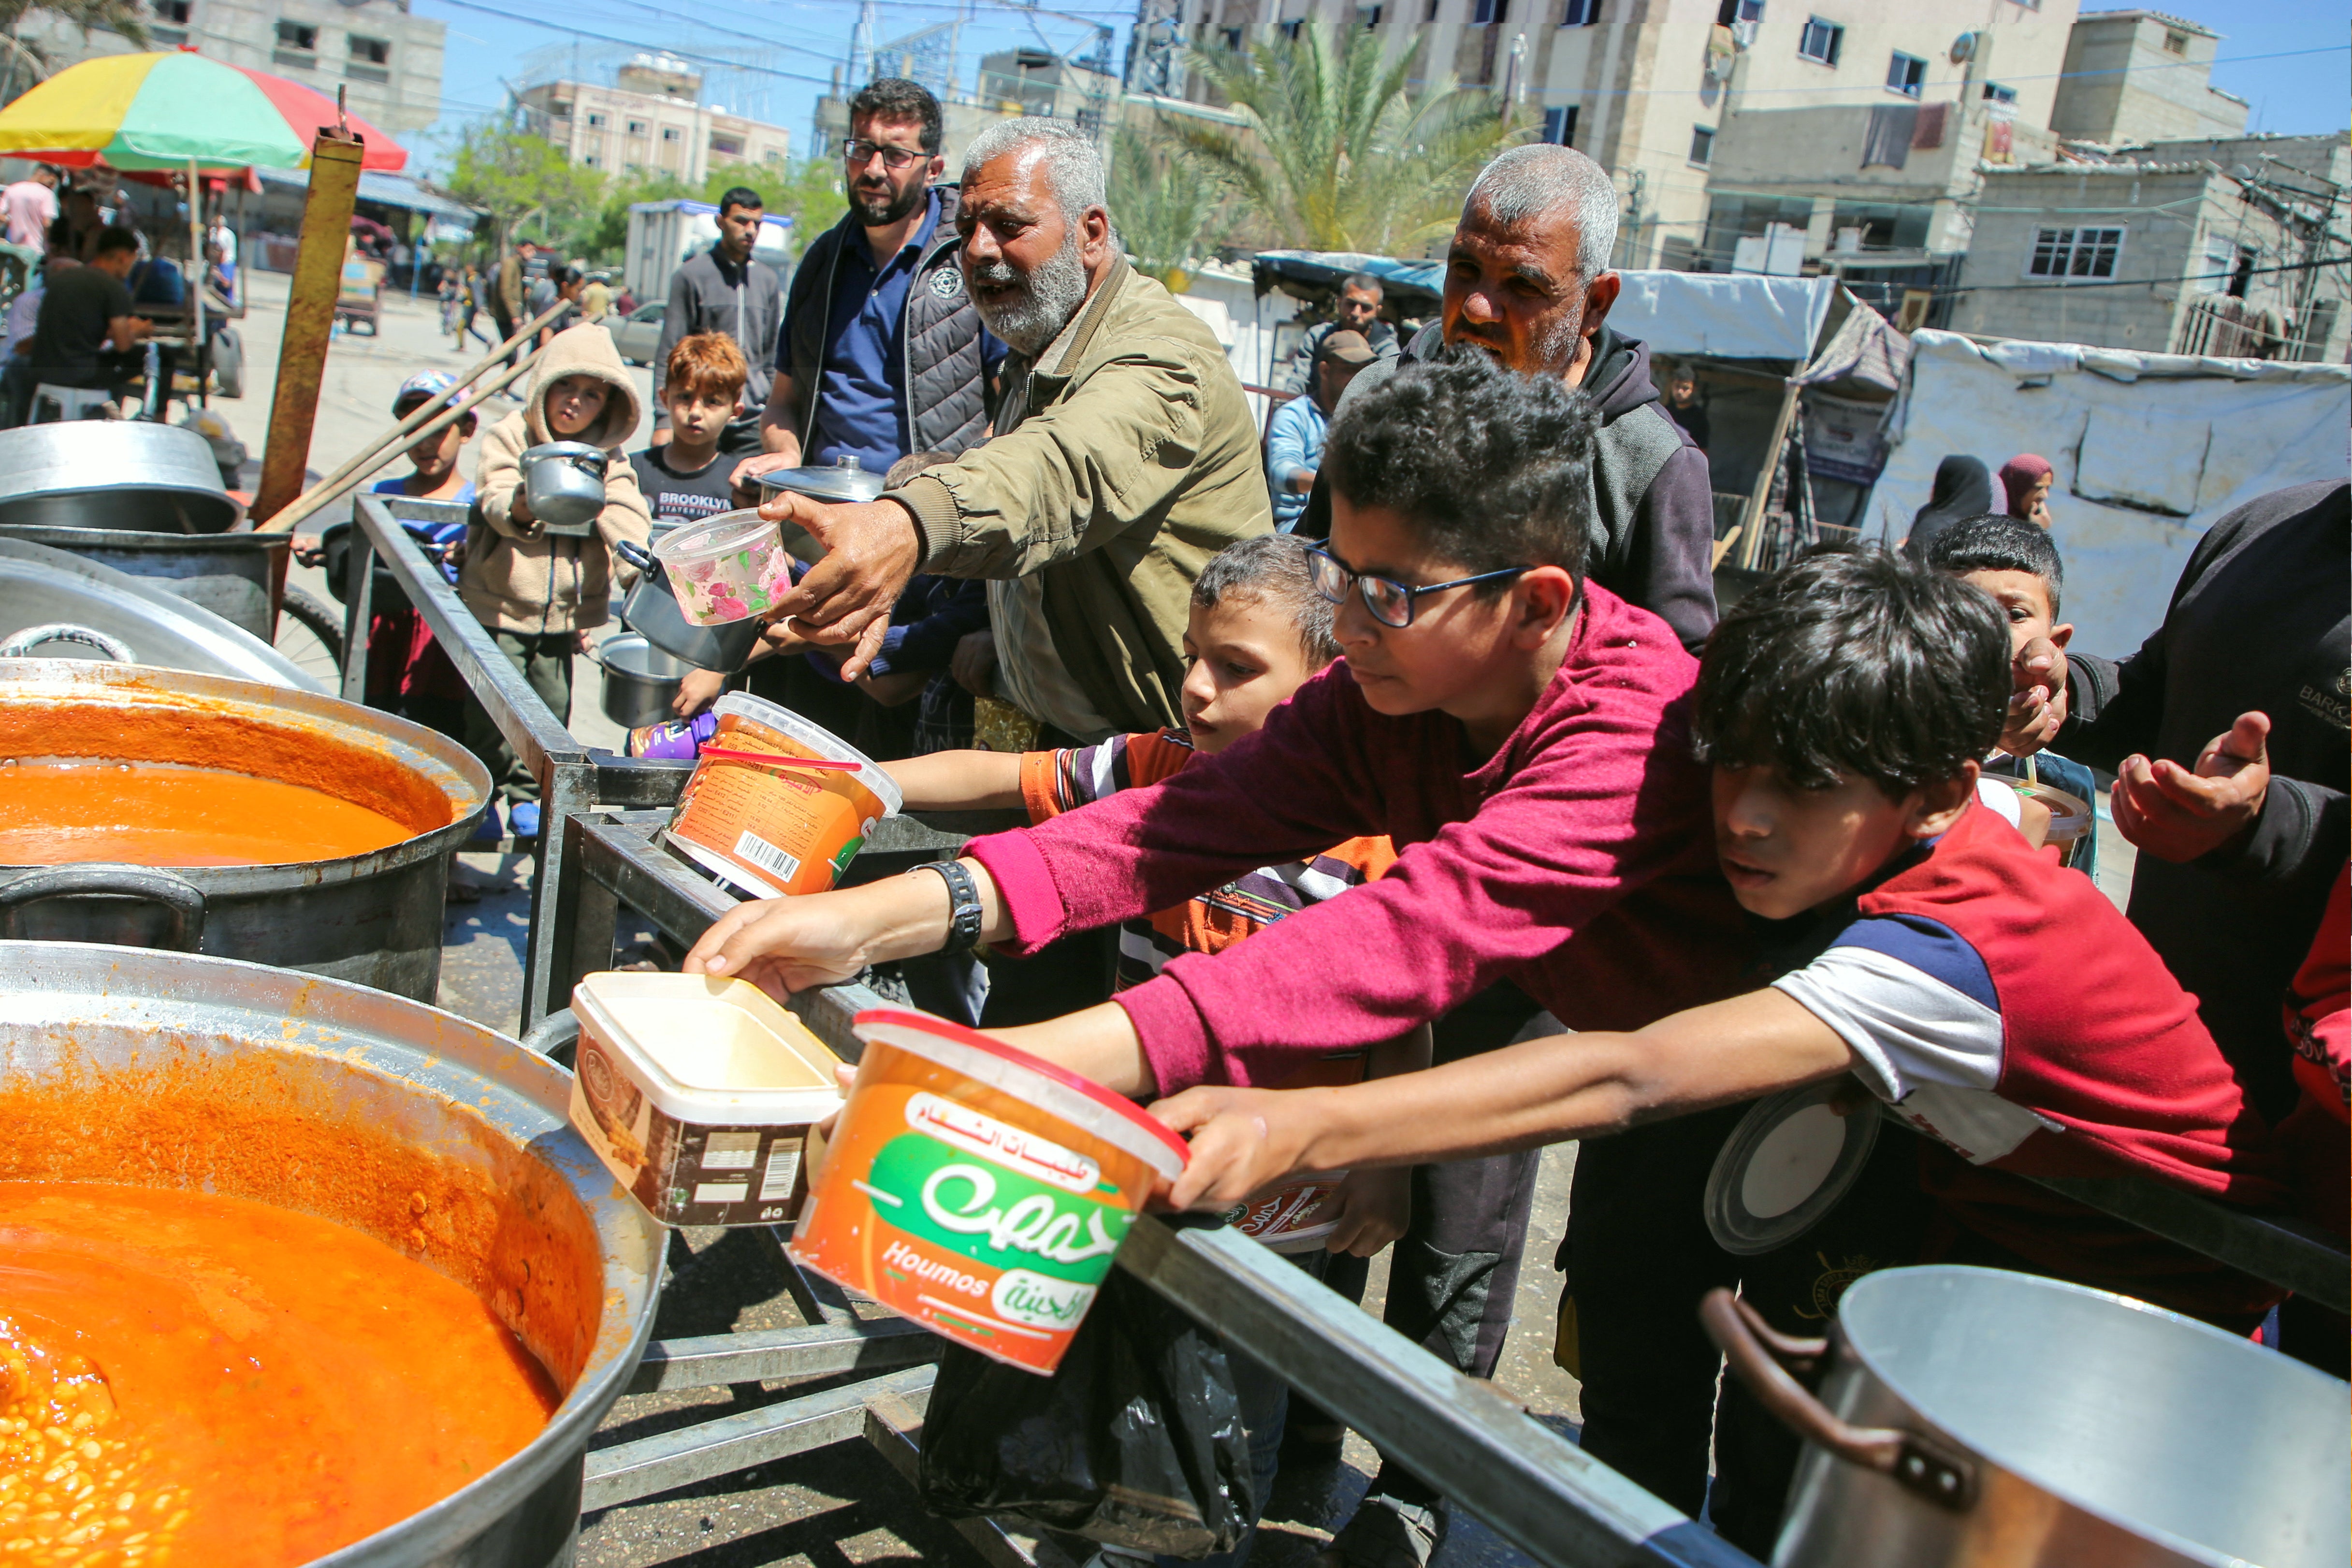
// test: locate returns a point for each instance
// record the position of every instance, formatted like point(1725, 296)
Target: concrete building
point(2140, 76)
point(2166, 253)
point(1011, 82)
point(652, 119)
point(389, 60)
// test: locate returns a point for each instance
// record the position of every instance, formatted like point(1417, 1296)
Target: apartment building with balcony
point(650, 118)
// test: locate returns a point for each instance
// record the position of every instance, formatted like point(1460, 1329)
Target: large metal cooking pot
point(651, 611)
point(1976, 1416)
point(113, 473)
point(227, 574)
point(561, 1255)
point(41, 587)
point(640, 680)
point(373, 918)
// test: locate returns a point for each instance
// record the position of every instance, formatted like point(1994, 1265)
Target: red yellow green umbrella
point(166, 110)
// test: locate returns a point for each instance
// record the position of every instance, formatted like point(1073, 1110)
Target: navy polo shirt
point(861, 396)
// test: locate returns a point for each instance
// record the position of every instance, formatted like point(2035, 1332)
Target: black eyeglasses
point(1390, 600)
point(861, 153)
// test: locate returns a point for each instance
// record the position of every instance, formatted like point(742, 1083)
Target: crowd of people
point(1412, 758)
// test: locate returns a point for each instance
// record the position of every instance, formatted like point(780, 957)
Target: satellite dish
point(1964, 48)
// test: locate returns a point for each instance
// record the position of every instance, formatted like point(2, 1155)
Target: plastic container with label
point(726, 568)
point(698, 1093)
point(977, 1189)
point(753, 820)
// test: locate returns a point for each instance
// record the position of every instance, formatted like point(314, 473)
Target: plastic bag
point(1137, 1442)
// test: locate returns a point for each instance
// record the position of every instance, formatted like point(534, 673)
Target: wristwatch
point(963, 904)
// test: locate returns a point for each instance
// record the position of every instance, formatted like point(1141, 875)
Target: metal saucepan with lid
point(834, 482)
point(1977, 1415)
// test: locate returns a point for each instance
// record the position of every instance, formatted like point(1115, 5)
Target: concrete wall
point(402, 94)
point(2125, 85)
point(2159, 240)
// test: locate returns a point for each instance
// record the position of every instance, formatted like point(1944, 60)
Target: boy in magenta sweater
point(2000, 1005)
point(1519, 733)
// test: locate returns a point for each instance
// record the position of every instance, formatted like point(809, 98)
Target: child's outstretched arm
point(1523, 1096)
point(960, 781)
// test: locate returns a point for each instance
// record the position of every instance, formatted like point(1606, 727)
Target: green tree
point(1339, 153)
point(809, 192)
point(1168, 209)
point(523, 180)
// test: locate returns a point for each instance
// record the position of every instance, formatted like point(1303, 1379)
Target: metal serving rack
point(1525, 1481)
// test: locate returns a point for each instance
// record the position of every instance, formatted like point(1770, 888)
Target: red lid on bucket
point(1116, 1103)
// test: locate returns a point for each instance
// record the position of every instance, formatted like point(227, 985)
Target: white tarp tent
point(1723, 315)
point(2149, 450)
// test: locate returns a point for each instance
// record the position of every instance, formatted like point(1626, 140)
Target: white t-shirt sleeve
point(1916, 1005)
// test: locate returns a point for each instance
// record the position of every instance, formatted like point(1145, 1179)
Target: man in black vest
point(882, 354)
point(725, 291)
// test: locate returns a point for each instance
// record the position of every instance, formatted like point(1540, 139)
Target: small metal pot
point(640, 680)
point(834, 483)
point(1976, 1415)
point(565, 482)
point(651, 611)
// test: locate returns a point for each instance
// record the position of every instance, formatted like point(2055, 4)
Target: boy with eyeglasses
point(1518, 732)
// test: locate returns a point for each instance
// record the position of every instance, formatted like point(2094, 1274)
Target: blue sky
point(2296, 62)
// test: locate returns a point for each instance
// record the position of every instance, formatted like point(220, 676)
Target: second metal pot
point(1977, 1415)
point(640, 680)
point(651, 611)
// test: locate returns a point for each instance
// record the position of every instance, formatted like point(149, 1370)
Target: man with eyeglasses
point(725, 291)
point(1528, 283)
point(882, 353)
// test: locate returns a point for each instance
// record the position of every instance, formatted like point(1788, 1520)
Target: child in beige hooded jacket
point(540, 593)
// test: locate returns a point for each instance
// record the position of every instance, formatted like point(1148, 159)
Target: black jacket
point(2260, 622)
point(711, 294)
point(1651, 533)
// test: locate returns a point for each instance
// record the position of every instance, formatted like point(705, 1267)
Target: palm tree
point(1165, 207)
point(1339, 154)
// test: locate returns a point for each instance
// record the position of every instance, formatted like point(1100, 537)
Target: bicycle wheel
point(311, 634)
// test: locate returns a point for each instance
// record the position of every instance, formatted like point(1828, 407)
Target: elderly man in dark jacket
point(1527, 281)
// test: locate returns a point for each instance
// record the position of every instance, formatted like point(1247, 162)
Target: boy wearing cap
point(1294, 439)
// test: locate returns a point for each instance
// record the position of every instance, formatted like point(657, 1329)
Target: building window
point(726, 146)
point(2074, 252)
point(636, 128)
point(1821, 41)
point(1996, 93)
point(1368, 15)
point(297, 36)
point(2175, 43)
point(1233, 36)
point(1702, 144)
point(596, 122)
point(771, 156)
point(370, 51)
point(1559, 126)
point(1490, 11)
point(671, 133)
point(1290, 30)
point(1432, 15)
point(173, 11)
point(1906, 74)
point(1580, 12)
point(1732, 11)
point(590, 159)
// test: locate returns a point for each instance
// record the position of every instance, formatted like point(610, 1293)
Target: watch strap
point(963, 905)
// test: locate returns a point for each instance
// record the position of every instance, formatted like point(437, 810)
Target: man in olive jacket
point(1124, 457)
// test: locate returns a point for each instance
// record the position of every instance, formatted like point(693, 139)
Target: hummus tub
point(698, 1093)
point(754, 820)
point(978, 1189)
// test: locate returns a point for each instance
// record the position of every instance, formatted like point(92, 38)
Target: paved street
point(842, 1505)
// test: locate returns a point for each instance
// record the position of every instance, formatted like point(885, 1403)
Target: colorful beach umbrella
point(162, 110)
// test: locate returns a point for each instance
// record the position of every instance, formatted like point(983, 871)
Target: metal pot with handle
point(640, 680)
point(565, 482)
point(651, 611)
point(1976, 1415)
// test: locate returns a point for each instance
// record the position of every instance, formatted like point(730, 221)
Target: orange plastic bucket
point(752, 819)
point(978, 1189)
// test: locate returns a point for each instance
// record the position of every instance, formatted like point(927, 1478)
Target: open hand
point(871, 550)
point(2177, 815)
